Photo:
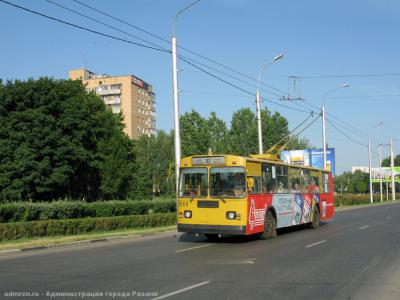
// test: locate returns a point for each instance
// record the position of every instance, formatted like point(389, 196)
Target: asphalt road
point(355, 256)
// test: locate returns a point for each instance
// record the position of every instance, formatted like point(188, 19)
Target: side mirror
point(250, 182)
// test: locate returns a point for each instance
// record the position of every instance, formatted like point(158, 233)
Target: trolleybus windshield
point(227, 182)
point(193, 182)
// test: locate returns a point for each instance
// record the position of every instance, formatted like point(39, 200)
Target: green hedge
point(13, 231)
point(354, 199)
point(27, 211)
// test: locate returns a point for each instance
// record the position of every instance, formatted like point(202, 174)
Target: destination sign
point(211, 160)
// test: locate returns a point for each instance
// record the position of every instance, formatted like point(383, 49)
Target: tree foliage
point(58, 141)
point(348, 182)
point(386, 161)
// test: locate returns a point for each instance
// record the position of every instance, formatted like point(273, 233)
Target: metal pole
point(324, 135)
point(380, 171)
point(177, 140)
point(370, 169)
point(259, 126)
point(392, 166)
point(176, 114)
point(387, 191)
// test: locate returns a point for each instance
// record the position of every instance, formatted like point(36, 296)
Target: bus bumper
point(218, 229)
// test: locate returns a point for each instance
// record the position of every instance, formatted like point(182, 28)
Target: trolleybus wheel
point(269, 226)
point(316, 219)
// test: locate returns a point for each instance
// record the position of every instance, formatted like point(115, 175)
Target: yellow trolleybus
point(234, 195)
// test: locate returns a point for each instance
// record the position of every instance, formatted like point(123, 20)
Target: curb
point(350, 207)
point(83, 242)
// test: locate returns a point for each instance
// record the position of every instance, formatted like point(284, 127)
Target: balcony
point(108, 92)
point(113, 101)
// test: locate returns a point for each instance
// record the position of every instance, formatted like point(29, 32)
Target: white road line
point(366, 226)
point(197, 247)
point(181, 290)
point(388, 218)
point(317, 243)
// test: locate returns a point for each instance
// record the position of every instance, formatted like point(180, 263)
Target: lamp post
point(370, 162)
point(392, 167)
point(380, 171)
point(177, 137)
point(343, 85)
point(258, 108)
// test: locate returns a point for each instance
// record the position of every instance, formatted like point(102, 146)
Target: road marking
point(181, 290)
point(388, 218)
point(317, 243)
point(366, 226)
point(192, 248)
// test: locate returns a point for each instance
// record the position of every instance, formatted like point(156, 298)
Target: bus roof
point(234, 160)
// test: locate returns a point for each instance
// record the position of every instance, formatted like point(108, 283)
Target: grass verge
point(57, 240)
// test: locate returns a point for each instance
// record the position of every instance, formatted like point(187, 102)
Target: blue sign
point(310, 157)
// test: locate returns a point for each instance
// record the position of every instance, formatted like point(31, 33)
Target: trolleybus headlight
point(187, 213)
point(231, 215)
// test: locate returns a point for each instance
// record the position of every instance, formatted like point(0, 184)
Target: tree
point(154, 172)
point(195, 137)
point(360, 186)
point(243, 133)
point(386, 161)
point(218, 134)
point(55, 142)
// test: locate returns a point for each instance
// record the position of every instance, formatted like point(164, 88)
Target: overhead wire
point(104, 24)
point(292, 134)
point(153, 44)
point(156, 45)
point(179, 46)
point(344, 134)
point(80, 27)
point(159, 48)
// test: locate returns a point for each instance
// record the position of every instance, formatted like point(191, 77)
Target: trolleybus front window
point(193, 182)
point(227, 182)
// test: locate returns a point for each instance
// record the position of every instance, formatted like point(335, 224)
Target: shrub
point(18, 230)
point(59, 210)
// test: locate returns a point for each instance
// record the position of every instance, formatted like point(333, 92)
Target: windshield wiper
point(220, 197)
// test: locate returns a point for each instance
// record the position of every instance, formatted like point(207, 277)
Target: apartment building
point(128, 94)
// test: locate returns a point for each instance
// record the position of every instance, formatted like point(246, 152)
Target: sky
point(325, 44)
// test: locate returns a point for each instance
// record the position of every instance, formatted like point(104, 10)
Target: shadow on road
point(201, 238)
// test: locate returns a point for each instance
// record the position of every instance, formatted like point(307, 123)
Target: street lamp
point(177, 141)
point(380, 170)
point(343, 85)
point(370, 161)
point(258, 109)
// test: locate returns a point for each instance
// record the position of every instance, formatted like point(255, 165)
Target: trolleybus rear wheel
point(316, 219)
point(269, 226)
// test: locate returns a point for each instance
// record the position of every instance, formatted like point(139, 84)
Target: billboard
point(310, 157)
point(386, 174)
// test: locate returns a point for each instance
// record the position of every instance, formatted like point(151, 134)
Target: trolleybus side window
point(193, 182)
point(282, 179)
point(257, 189)
point(305, 180)
point(269, 184)
point(326, 182)
point(315, 181)
point(294, 179)
point(227, 182)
